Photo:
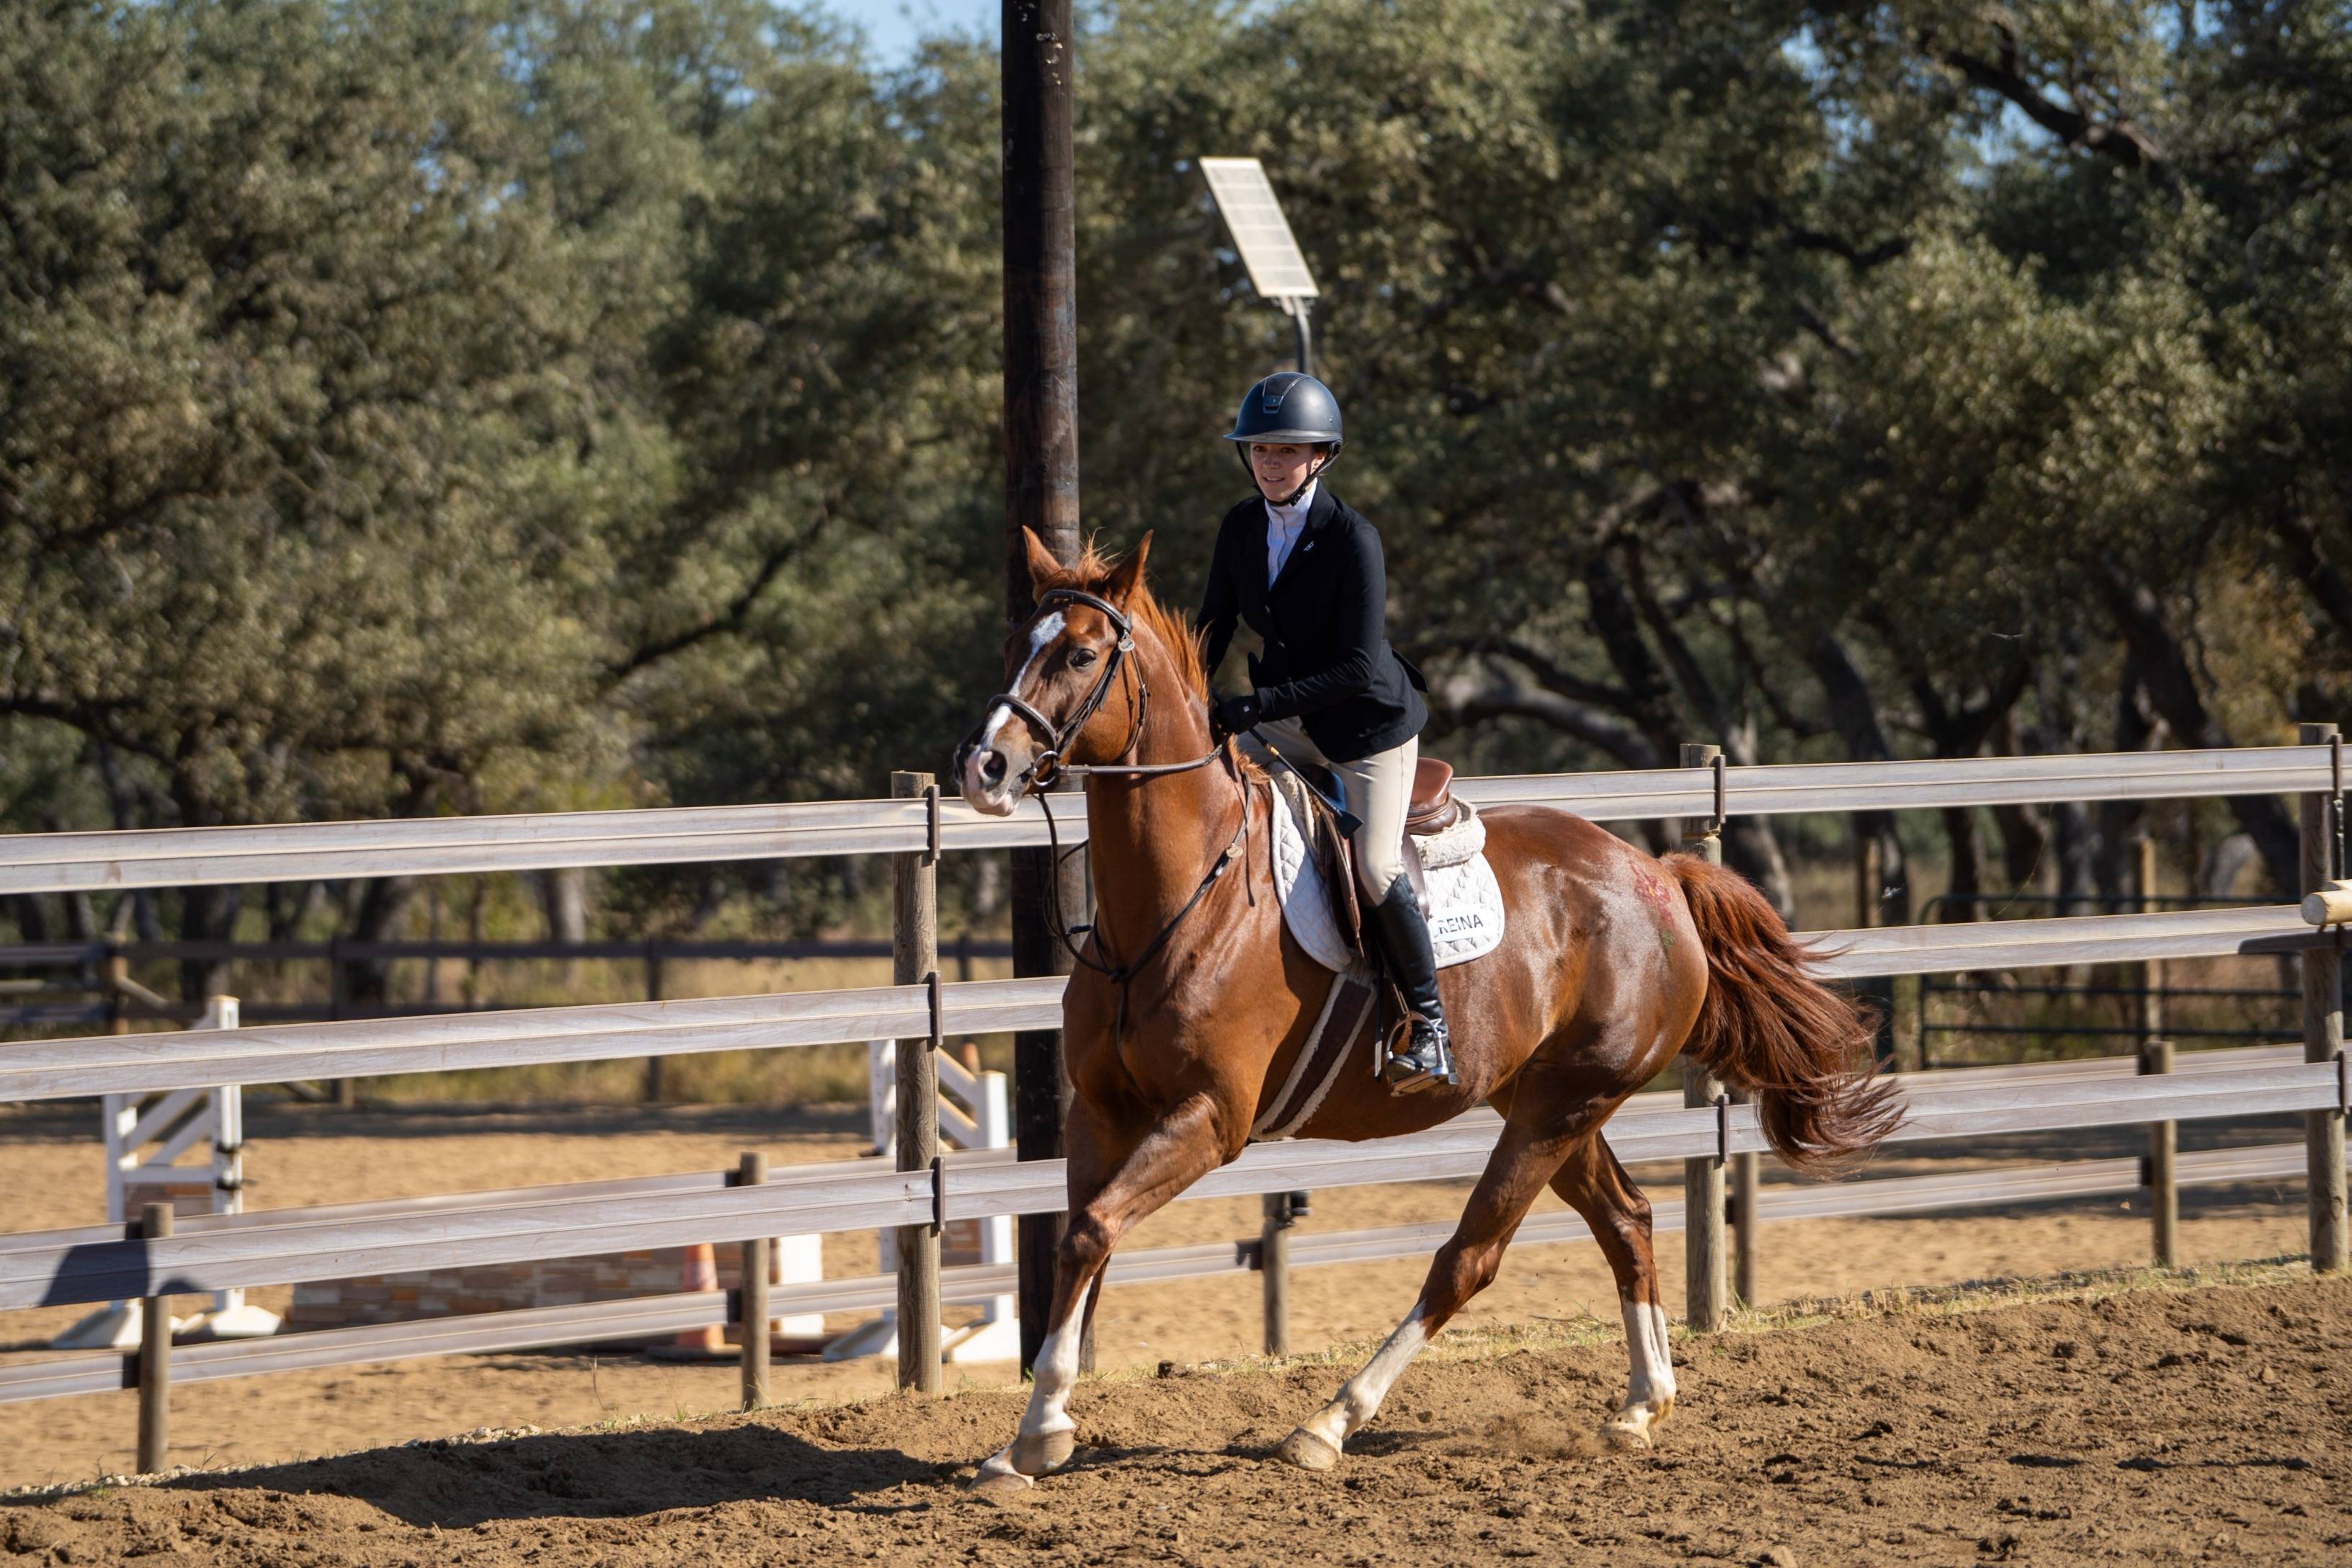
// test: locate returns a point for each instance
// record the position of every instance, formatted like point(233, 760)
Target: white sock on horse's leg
point(1057, 1370)
point(1650, 1378)
point(1360, 1398)
point(1043, 1444)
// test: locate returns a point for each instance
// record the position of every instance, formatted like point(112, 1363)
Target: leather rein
point(1048, 766)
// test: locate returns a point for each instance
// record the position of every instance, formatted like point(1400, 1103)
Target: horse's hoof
point(1626, 1435)
point(1308, 1451)
point(1043, 1454)
point(998, 1482)
point(1001, 1486)
point(1631, 1426)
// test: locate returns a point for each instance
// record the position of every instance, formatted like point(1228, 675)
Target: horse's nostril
point(992, 768)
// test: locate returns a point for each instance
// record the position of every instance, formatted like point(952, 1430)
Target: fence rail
point(50, 1069)
point(308, 851)
point(92, 1264)
point(641, 1317)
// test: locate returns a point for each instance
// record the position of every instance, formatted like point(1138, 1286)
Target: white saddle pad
point(1465, 902)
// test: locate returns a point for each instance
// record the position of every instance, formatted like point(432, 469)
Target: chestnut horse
point(1193, 1002)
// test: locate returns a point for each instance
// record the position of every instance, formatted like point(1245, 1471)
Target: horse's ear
point(1128, 576)
point(1045, 570)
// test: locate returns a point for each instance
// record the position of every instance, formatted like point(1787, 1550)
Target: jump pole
point(1041, 491)
point(2323, 1009)
point(1707, 1288)
point(915, 960)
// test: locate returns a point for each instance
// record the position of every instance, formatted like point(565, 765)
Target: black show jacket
point(1328, 661)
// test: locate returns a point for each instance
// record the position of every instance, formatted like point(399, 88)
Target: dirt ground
point(2158, 1426)
point(49, 1169)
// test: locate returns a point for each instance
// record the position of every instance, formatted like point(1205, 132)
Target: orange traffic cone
point(698, 1272)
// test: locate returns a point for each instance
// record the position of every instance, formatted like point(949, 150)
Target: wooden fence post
point(1744, 1177)
point(2163, 1191)
point(1274, 1269)
point(1870, 911)
point(154, 1352)
point(915, 960)
point(118, 989)
point(1703, 1238)
point(2323, 1015)
point(751, 1171)
point(652, 1086)
point(2156, 1056)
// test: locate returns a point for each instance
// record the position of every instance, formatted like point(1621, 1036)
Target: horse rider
point(1306, 572)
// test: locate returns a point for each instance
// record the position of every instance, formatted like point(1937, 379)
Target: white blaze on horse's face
point(994, 768)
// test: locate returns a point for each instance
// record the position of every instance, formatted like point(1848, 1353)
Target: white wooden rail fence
point(185, 857)
point(50, 1069)
point(221, 1252)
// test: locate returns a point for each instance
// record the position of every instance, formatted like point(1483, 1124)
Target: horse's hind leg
point(1522, 1162)
point(1596, 1186)
point(1114, 1183)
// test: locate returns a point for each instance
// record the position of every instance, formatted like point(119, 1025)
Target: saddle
point(1430, 809)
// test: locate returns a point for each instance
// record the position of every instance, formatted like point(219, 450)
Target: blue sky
point(893, 25)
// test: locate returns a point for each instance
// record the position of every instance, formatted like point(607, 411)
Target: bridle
point(1048, 766)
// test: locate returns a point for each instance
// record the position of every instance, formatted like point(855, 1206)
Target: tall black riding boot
point(1404, 941)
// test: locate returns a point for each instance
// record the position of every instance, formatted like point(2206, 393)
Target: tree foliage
point(414, 405)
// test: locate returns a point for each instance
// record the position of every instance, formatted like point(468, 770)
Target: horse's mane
point(1092, 575)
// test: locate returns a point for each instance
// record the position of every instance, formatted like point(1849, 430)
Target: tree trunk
point(32, 919)
point(291, 905)
point(2172, 692)
point(2136, 730)
point(1855, 717)
point(1650, 697)
point(563, 894)
point(2075, 842)
point(384, 904)
point(1967, 872)
point(208, 914)
point(1618, 610)
point(2330, 592)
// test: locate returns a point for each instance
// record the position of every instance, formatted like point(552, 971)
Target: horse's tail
point(1769, 1027)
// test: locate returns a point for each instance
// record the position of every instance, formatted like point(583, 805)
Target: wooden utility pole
point(1041, 492)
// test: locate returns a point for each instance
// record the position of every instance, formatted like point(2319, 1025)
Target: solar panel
point(1261, 233)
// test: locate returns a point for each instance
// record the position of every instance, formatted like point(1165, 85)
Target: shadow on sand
point(615, 1475)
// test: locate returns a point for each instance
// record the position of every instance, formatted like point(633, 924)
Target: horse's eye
point(1080, 657)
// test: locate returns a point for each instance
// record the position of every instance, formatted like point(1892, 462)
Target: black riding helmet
point(1288, 407)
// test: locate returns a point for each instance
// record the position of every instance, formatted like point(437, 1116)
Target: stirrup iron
point(1425, 1059)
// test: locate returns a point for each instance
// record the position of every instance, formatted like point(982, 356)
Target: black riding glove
point(1239, 714)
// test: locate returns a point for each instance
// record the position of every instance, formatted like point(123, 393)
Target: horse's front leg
point(1114, 1183)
